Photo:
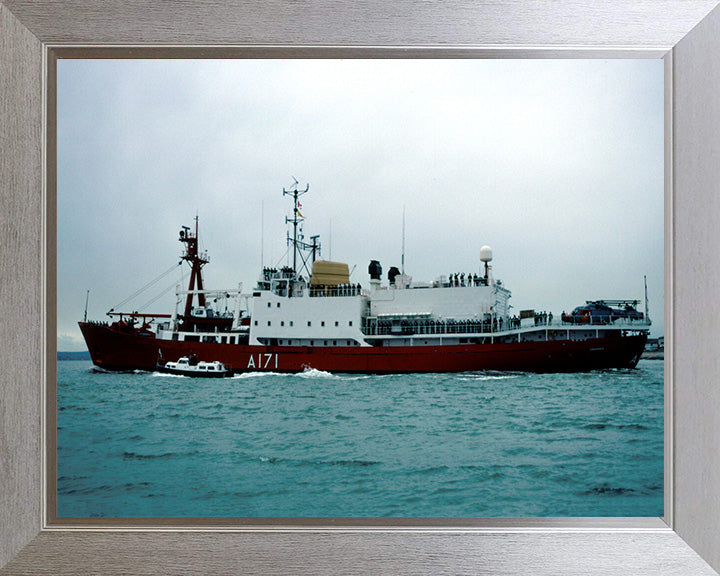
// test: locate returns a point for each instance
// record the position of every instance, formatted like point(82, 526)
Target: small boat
point(190, 366)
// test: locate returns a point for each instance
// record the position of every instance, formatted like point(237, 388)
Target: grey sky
point(556, 164)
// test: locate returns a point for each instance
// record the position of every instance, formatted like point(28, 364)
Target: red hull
point(113, 350)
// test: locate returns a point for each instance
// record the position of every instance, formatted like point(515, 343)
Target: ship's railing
point(600, 321)
point(430, 327)
point(548, 320)
point(341, 290)
point(270, 274)
point(97, 323)
point(381, 327)
point(459, 281)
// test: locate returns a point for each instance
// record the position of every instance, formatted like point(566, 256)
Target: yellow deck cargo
point(326, 273)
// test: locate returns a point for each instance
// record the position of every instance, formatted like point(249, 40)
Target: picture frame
point(685, 33)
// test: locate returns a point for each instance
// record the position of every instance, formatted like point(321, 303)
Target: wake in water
point(165, 375)
point(313, 373)
point(308, 373)
point(482, 376)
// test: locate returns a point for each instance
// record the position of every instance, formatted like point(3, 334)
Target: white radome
point(486, 254)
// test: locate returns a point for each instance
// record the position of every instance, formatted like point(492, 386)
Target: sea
point(316, 444)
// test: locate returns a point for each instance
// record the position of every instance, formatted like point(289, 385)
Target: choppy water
point(319, 444)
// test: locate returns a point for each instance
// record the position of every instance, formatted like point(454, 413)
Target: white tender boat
point(190, 366)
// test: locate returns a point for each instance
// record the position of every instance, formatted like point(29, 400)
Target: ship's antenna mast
point(402, 258)
point(262, 233)
point(87, 296)
point(295, 193)
point(647, 313)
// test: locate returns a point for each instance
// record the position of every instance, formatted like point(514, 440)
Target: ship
point(310, 315)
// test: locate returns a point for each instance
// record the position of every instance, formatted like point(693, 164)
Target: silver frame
point(58, 52)
point(549, 546)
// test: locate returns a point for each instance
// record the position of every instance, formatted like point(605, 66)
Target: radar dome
point(485, 254)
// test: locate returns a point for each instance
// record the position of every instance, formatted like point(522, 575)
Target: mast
point(196, 261)
point(262, 234)
point(402, 258)
point(295, 193)
point(299, 245)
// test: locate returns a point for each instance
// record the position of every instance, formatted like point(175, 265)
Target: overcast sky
point(556, 164)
